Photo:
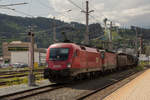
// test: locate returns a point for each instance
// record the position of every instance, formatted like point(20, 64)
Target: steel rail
point(17, 72)
point(31, 92)
point(21, 75)
point(8, 81)
point(90, 93)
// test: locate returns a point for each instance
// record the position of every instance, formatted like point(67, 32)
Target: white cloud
point(137, 11)
point(50, 16)
point(61, 8)
point(130, 12)
point(120, 11)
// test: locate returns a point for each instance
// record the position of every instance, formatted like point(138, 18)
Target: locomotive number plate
point(57, 66)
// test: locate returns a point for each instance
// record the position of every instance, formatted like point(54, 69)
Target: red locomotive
point(67, 61)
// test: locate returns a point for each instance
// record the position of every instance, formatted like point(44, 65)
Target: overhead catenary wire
point(46, 6)
point(82, 9)
point(43, 4)
point(20, 12)
point(29, 7)
point(29, 15)
point(13, 4)
point(7, 6)
point(17, 11)
point(105, 16)
point(76, 5)
point(96, 19)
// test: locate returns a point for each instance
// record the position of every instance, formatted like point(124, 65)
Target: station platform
point(137, 89)
point(22, 87)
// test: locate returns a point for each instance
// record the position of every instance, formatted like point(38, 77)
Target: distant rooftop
point(15, 42)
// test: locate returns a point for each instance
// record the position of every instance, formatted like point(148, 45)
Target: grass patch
point(20, 69)
point(144, 63)
point(15, 81)
point(139, 67)
point(20, 80)
point(5, 69)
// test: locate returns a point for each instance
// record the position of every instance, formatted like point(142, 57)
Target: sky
point(121, 12)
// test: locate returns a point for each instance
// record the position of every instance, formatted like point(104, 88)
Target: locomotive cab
point(59, 60)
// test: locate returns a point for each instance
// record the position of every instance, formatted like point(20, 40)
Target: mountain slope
point(16, 28)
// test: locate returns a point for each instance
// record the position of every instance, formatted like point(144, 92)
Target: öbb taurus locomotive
point(67, 61)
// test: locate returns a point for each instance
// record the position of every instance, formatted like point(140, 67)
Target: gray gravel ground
point(22, 87)
point(102, 94)
point(75, 90)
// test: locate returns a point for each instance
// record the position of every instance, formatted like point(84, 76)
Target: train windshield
point(59, 54)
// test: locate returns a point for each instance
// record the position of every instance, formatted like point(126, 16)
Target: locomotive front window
point(59, 54)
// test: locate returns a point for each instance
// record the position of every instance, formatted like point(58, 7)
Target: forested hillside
point(16, 28)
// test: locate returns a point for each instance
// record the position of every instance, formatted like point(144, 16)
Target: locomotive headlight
point(68, 65)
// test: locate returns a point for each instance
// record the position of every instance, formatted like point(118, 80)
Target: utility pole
point(87, 12)
point(105, 23)
point(31, 78)
point(108, 33)
point(87, 23)
point(141, 44)
point(110, 36)
point(124, 46)
point(136, 41)
point(40, 58)
point(54, 30)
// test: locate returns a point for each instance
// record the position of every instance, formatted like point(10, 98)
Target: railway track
point(22, 75)
point(2, 83)
point(16, 72)
point(32, 92)
point(41, 90)
point(92, 92)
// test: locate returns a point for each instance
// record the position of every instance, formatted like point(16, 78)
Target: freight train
point(67, 61)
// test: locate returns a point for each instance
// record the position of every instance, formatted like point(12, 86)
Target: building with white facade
point(18, 52)
point(23, 57)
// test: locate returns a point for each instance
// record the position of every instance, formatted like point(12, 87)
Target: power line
point(29, 8)
point(87, 13)
point(43, 4)
point(76, 5)
point(14, 4)
point(82, 9)
point(17, 11)
point(98, 21)
point(100, 16)
point(7, 7)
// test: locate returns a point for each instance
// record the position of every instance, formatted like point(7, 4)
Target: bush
point(139, 67)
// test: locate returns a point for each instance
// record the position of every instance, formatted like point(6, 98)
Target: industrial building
point(18, 52)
